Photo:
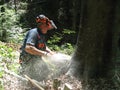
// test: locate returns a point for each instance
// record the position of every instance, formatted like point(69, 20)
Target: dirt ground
point(13, 83)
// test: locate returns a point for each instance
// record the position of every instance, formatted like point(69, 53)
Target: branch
point(15, 75)
point(34, 83)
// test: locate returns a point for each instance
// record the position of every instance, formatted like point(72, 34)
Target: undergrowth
point(8, 60)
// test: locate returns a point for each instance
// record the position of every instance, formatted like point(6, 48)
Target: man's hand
point(49, 51)
point(49, 54)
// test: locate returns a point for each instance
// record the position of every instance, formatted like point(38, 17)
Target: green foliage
point(67, 31)
point(54, 39)
point(6, 52)
point(67, 48)
point(57, 37)
point(1, 85)
point(10, 29)
point(7, 59)
point(7, 55)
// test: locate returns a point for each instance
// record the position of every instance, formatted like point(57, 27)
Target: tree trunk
point(92, 59)
point(116, 45)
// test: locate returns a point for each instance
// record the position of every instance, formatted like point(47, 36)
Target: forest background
point(18, 16)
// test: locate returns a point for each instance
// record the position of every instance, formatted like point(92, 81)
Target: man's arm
point(34, 51)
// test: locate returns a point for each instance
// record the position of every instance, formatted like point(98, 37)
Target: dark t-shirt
point(35, 38)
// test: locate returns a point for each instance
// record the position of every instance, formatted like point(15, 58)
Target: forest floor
point(65, 83)
point(12, 81)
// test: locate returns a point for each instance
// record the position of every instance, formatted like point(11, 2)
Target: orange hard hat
point(45, 20)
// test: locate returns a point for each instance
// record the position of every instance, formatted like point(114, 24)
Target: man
point(34, 48)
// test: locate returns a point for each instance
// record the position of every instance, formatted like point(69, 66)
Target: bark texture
point(93, 57)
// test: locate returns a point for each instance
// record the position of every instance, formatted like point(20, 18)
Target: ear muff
point(38, 20)
point(49, 25)
point(42, 20)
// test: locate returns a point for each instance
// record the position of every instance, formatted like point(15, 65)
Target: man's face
point(44, 28)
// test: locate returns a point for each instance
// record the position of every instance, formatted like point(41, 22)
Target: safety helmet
point(45, 20)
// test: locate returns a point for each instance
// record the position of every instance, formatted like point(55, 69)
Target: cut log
point(34, 82)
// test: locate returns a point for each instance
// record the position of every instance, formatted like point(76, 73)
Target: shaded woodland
point(96, 58)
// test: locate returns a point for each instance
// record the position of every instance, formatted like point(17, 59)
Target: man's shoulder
point(34, 30)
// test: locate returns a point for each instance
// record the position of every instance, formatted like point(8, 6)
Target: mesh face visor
point(53, 24)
